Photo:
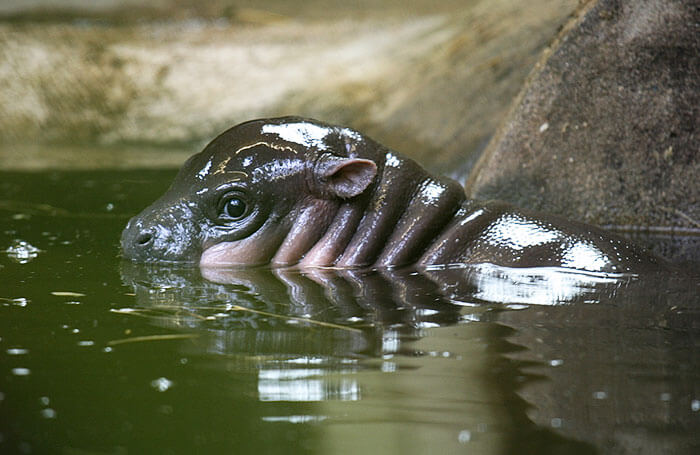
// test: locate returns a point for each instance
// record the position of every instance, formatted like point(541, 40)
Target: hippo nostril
point(144, 238)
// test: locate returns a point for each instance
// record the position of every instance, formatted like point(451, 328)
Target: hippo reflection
point(293, 191)
point(582, 356)
point(362, 304)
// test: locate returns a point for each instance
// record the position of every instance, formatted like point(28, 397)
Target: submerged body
point(292, 191)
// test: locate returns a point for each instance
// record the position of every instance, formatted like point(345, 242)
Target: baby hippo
point(293, 191)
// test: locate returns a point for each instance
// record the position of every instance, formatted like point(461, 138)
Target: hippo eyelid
point(229, 186)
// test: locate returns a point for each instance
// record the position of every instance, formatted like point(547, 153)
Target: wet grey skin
point(297, 192)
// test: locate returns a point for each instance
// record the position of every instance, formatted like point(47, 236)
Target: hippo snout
point(149, 239)
point(144, 239)
point(137, 241)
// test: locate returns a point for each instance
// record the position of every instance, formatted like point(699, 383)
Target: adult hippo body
point(292, 191)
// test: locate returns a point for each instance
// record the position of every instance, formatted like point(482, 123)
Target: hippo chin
point(293, 191)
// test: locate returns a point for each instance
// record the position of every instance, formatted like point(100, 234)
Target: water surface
point(102, 356)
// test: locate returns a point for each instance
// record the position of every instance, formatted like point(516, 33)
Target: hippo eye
point(233, 208)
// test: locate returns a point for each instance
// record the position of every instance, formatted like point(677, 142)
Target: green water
point(101, 356)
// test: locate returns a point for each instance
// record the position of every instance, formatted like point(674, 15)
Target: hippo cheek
point(236, 253)
point(256, 249)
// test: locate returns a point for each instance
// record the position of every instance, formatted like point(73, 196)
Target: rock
point(430, 80)
point(606, 130)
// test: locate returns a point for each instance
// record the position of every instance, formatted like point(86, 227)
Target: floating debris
point(67, 294)
point(21, 371)
point(292, 319)
point(222, 312)
point(295, 418)
point(22, 252)
point(174, 336)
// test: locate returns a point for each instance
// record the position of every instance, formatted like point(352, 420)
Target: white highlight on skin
point(304, 134)
point(431, 192)
point(392, 160)
point(584, 256)
point(276, 170)
point(471, 217)
point(204, 171)
point(518, 233)
point(352, 134)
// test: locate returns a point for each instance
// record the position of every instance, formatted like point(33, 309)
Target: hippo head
point(258, 193)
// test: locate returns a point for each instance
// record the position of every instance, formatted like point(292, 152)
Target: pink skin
point(305, 232)
point(325, 252)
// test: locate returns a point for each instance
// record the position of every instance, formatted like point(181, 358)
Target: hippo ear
point(345, 177)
